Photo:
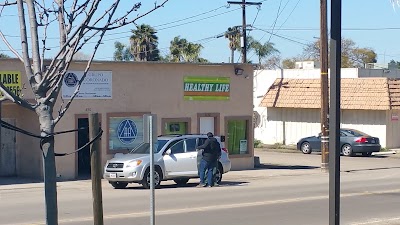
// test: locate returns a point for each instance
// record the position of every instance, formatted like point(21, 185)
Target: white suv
point(175, 158)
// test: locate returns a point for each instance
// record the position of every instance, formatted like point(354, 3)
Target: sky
point(370, 23)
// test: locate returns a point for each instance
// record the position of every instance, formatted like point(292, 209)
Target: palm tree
point(176, 48)
point(263, 50)
point(144, 44)
point(233, 34)
point(191, 52)
point(184, 51)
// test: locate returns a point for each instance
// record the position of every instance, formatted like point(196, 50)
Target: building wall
point(144, 88)
point(28, 154)
point(393, 128)
point(299, 123)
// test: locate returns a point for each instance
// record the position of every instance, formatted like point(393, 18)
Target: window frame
point(165, 121)
point(119, 114)
point(249, 132)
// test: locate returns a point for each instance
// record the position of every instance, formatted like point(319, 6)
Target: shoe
point(209, 186)
point(201, 185)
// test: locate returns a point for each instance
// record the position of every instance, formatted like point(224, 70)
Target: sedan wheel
point(306, 148)
point(347, 150)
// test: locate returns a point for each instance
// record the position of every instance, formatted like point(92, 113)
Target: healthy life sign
point(206, 88)
point(12, 80)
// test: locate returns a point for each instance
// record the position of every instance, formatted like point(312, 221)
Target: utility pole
point(244, 36)
point(334, 114)
point(95, 164)
point(324, 88)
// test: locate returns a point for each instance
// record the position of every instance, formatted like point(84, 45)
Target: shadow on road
point(18, 180)
point(190, 185)
point(371, 169)
point(285, 167)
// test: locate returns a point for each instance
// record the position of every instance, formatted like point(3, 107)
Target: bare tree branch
point(128, 22)
point(63, 111)
point(7, 3)
point(10, 47)
point(8, 95)
point(46, 24)
point(76, 35)
point(35, 41)
point(24, 43)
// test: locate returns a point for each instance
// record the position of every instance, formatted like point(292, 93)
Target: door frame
point(84, 116)
point(216, 116)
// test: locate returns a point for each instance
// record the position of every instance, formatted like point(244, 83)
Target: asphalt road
point(288, 189)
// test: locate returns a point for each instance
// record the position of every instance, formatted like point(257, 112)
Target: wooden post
point(95, 165)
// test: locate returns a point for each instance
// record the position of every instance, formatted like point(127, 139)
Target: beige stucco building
point(187, 98)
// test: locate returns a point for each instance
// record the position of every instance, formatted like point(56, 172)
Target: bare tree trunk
point(49, 167)
point(232, 55)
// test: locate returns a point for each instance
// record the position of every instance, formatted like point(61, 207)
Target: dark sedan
point(351, 141)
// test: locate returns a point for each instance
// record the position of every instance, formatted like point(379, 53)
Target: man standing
point(208, 163)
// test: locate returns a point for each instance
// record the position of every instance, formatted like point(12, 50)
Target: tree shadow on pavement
point(284, 167)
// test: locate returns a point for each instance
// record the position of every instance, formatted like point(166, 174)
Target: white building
point(293, 112)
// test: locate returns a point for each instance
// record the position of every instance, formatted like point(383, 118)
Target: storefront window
point(176, 128)
point(237, 137)
point(125, 133)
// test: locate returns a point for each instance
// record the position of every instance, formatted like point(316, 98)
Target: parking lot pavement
point(272, 164)
point(299, 161)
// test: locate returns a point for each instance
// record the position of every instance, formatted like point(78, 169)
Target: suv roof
point(171, 136)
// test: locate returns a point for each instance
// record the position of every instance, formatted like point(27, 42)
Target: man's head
point(209, 134)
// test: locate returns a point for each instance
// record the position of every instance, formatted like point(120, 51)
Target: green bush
point(278, 146)
point(257, 143)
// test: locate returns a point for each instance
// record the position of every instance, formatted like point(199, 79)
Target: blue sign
point(127, 131)
point(71, 80)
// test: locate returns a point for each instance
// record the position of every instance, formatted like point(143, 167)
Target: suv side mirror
point(222, 138)
point(168, 152)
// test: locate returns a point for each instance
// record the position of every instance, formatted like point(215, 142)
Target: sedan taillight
point(361, 140)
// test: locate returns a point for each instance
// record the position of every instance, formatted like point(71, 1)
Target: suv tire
point(218, 174)
point(146, 178)
point(119, 185)
point(181, 181)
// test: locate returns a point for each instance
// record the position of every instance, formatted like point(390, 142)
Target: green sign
point(206, 88)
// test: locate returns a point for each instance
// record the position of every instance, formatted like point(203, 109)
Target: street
point(288, 188)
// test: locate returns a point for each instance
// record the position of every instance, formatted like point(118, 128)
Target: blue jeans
point(209, 167)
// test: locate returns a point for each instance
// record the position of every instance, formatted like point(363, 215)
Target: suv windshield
point(144, 148)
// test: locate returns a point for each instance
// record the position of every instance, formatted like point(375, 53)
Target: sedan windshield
point(144, 148)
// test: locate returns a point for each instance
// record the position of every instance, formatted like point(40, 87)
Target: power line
point(280, 36)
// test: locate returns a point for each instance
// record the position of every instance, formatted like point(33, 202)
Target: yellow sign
point(12, 80)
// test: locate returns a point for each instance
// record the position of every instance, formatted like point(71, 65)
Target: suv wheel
point(119, 185)
point(146, 178)
point(218, 174)
point(181, 181)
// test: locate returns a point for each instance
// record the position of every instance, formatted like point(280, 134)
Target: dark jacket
point(208, 153)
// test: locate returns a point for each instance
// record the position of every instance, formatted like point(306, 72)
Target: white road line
point(388, 221)
point(212, 208)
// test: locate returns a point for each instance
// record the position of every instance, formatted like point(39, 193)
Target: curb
point(384, 153)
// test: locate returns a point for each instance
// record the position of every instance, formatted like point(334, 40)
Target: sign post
point(150, 136)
